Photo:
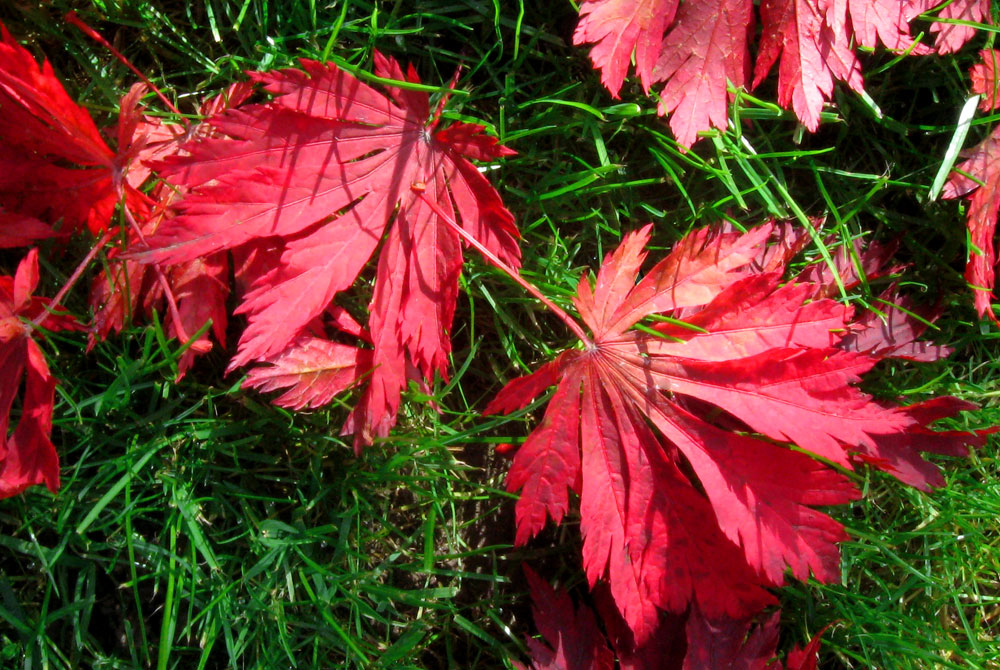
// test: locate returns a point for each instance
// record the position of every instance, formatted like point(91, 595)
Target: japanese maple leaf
point(875, 21)
point(886, 21)
point(708, 50)
point(18, 230)
point(891, 332)
point(985, 81)
point(27, 456)
point(574, 640)
point(633, 406)
point(617, 28)
point(696, 49)
point(978, 178)
point(727, 644)
point(813, 54)
point(325, 166)
point(200, 287)
point(127, 289)
point(687, 642)
point(706, 45)
point(54, 164)
point(313, 370)
point(894, 333)
point(952, 36)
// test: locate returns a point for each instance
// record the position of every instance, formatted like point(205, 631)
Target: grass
point(200, 527)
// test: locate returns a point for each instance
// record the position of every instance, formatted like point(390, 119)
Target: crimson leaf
point(661, 429)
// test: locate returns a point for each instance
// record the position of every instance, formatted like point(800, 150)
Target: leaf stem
point(161, 279)
point(420, 190)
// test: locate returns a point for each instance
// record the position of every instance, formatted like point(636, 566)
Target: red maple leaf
point(617, 28)
point(325, 166)
point(660, 429)
point(813, 54)
point(978, 178)
point(27, 456)
point(574, 640)
point(313, 369)
point(54, 164)
point(200, 287)
point(727, 644)
point(952, 36)
point(875, 21)
point(690, 641)
point(706, 45)
point(697, 49)
point(708, 52)
point(985, 81)
point(18, 230)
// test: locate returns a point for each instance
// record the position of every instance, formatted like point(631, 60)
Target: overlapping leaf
point(198, 288)
point(879, 21)
point(978, 178)
point(677, 437)
point(635, 427)
point(18, 230)
point(313, 370)
point(27, 456)
point(54, 164)
point(985, 81)
point(325, 166)
point(982, 188)
point(56, 167)
point(950, 37)
point(696, 49)
point(812, 54)
point(574, 642)
point(741, 645)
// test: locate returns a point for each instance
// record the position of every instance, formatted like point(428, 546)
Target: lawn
point(199, 525)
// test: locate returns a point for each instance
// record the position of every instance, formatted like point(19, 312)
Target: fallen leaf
point(54, 164)
point(660, 429)
point(325, 166)
point(978, 178)
point(953, 36)
point(811, 55)
point(984, 79)
point(572, 640)
point(27, 456)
